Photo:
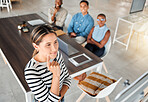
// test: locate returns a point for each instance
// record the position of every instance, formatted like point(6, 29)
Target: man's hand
point(73, 34)
point(55, 10)
point(53, 17)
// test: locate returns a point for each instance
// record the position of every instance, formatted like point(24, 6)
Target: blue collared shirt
point(81, 25)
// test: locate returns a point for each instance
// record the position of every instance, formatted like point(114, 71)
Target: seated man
point(57, 15)
point(98, 37)
point(81, 24)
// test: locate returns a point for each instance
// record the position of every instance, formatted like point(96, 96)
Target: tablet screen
point(80, 59)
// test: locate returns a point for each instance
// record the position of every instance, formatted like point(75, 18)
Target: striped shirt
point(39, 79)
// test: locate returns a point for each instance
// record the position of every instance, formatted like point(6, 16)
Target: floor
point(128, 64)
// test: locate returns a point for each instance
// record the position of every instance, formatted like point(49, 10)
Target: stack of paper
point(36, 22)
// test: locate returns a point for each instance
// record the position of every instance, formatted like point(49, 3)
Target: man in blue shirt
point(81, 23)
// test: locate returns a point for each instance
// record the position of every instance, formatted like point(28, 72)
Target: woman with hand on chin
point(46, 73)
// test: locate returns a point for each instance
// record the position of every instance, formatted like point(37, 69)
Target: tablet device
point(80, 59)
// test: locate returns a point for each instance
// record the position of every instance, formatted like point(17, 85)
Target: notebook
point(36, 22)
point(67, 48)
point(59, 32)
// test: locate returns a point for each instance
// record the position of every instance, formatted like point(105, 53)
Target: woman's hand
point(90, 36)
point(92, 39)
point(53, 67)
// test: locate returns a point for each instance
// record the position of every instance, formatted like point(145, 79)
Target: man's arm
point(71, 25)
point(51, 15)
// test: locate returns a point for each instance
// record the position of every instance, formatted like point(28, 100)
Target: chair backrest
point(146, 3)
point(67, 21)
point(107, 48)
point(6, 3)
point(143, 28)
point(108, 90)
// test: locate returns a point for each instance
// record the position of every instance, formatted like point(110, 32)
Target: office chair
point(6, 3)
point(66, 23)
point(107, 49)
point(102, 94)
point(140, 30)
point(106, 91)
point(146, 4)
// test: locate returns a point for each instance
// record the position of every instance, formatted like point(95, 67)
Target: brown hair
point(38, 33)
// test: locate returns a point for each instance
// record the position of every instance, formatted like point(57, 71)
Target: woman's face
point(49, 46)
point(101, 20)
point(84, 7)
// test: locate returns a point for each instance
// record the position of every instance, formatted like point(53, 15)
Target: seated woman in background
point(46, 73)
point(98, 37)
point(57, 15)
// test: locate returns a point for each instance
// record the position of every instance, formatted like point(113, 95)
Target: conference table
point(16, 50)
